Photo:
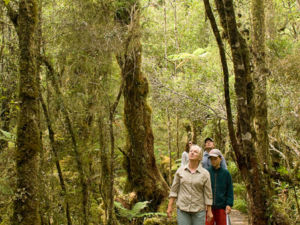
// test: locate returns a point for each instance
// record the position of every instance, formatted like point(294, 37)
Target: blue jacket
point(221, 186)
point(206, 161)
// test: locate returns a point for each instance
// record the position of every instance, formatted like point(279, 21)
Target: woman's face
point(194, 154)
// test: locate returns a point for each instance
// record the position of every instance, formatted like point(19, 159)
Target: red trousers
point(219, 217)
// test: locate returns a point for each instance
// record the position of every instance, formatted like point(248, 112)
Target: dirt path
point(238, 218)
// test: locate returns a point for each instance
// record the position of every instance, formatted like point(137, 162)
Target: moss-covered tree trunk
point(77, 153)
point(260, 119)
point(246, 155)
point(7, 79)
point(195, 131)
point(270, 19)
point(143, 175)
point(57, 163)
point(4, 117)
point(28, 146)
point(260, 80)
point(177, 136)
point(105, 171)
point(243, 141)
point(169, 123)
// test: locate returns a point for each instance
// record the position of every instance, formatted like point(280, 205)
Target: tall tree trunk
point(243, 142)
point(260, 81)
point(219, 138)
point(6, 78)
point(143, 175)
point(104, 153)
point(58, 167)
point(176, 42)
point(28, 140)
point(169, 146)
point(112, 110)
point(79, 163)
point(4, 116)
point(260, 120)
point(177, 135)
point(165, 36)
point(194, 132)
point(105, 124)
point(270, 20)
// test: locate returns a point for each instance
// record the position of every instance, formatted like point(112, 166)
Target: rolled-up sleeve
point(175, 185)
point(208, 198)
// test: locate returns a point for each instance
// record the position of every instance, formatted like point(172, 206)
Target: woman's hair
point(197, 147)
point(187, 146)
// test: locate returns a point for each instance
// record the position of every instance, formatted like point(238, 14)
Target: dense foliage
point(80, 78)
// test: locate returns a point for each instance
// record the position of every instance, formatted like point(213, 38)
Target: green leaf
point(123, 211)
point(4, 135)
point(6, 2)
point(135, 212)
point(138, 207)
point(283, 170)
point(200, 52)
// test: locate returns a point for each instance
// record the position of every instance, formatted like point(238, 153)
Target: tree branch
point(197, 101)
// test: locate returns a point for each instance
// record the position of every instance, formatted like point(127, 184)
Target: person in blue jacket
point(208, 146)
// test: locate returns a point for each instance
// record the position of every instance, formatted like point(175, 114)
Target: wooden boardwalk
point(238, 218)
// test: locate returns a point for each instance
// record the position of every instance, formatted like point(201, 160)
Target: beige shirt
point(192, 190)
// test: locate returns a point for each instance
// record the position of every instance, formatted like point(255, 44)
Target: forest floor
point(238, 218)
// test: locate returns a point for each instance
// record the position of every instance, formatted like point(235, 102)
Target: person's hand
point(169, 212)
point(228, 209)
point(209, 215)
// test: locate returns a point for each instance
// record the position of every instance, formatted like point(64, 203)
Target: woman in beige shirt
point(192, 190)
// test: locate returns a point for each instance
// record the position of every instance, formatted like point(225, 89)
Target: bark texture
point(105, 170)
point(28, 136)
point(260, 81)
point(4, 117)
point(143, 175)
point(260, 120)
point(246, 155)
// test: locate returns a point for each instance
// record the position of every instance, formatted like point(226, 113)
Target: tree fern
point(136, 211)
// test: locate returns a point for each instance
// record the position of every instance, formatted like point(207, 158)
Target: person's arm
point(170, 207)
point(209, 214)
point(208, 197)
point(173, 192)
point(223, 163)
point(229, 200)
point(205, 161)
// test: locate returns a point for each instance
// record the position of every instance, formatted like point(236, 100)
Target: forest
point(99, 99)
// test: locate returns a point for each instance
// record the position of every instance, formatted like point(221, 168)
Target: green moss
point(153, 221)
point(159, 221)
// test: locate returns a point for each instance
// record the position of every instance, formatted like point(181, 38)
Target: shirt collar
point(186, 167)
